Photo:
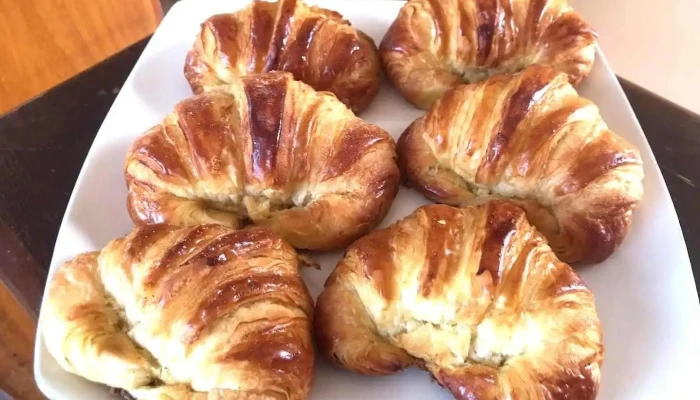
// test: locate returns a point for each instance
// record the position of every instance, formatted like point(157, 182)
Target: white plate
point(645, 292)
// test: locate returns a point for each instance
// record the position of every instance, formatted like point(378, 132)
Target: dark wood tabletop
point(43, 145)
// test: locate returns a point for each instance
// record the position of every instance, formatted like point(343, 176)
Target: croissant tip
point(305, 261)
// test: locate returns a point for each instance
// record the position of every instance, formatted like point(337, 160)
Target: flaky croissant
point(434, 45)
point(185, 313)
point(531, 138)
point(268, 150)
point(316, 45)
point(473, 295)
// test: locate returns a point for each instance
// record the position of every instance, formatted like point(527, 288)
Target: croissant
point(268, 150)
point(435, 45)
point(316, 45)
point(530, 138)
point(473, 295)
point(185, 313)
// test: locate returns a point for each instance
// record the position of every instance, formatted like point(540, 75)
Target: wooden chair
point(45, 42)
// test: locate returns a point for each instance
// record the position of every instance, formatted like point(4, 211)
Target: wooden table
point(43, 145)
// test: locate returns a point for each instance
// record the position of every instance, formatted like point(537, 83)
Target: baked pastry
point(532, 138)
point(316, 45)
point(185, 313)
point(473, 295)
point(268, 150)
point(435, 45)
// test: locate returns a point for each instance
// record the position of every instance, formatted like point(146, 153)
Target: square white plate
point(645, 293)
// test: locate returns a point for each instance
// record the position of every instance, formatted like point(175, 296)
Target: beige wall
point(653, 43)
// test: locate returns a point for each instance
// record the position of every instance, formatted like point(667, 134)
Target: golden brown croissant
point(434, 45)
point(531, 138)
point(269, 150)
point(185, 313)
point(473, 295)
point(316, 45)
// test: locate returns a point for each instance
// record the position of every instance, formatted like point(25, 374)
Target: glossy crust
point(316, 45)
point(531, 138)
point(198, 313)
point(434, 45)
point(475, 296)
point(268, 150)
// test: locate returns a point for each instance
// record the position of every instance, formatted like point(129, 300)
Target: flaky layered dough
point(531, 138)
point(316, 45)
point(185, 313)
point(434, 45)
point(473, 295)
point(268, 150)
